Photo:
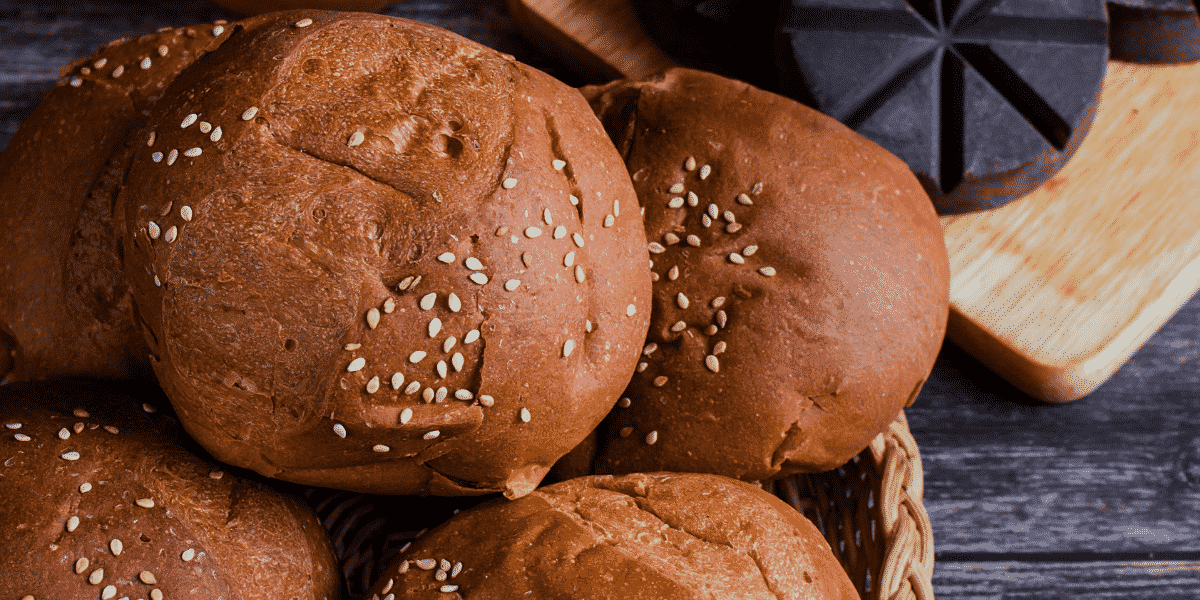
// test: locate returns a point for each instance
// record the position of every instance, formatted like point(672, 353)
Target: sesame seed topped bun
point(658, 536)
point(100, 498)
point(64, 303)
point(406, 264)
point(801, 282)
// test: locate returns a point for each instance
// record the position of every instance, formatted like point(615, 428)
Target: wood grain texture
point(1056, 290)
point(1099, 580)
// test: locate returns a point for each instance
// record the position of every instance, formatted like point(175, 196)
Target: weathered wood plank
point(1100, 580)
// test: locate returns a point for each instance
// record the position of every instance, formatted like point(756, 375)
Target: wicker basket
point(869, 509)
point(871, 513)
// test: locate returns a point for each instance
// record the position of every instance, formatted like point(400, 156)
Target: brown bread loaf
point(801, 282)
point(407, 264)
point(100, 499)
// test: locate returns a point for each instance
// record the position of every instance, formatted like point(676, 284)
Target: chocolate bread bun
point(64, 303)
point(100, 498)
point(801, 282)
point(402, 263)
point(655, 536)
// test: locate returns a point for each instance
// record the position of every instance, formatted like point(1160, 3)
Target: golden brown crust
point(275, 268)
point(661, 536)
point(96, 492)
point(801, 293)
point(64, 304)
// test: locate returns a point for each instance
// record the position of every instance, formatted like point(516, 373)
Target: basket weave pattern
point(871, 513)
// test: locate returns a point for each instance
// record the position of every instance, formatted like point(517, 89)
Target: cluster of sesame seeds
point(443, 570)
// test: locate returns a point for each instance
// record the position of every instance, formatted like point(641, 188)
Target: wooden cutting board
point(1055, 291)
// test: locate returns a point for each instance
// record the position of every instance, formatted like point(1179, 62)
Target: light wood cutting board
point(1055, 291)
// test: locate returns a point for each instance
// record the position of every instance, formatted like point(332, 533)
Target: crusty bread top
point(407, 264)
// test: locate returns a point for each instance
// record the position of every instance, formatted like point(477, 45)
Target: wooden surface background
point(1099, 498)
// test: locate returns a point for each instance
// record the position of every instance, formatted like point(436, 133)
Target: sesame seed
point(719, 347)
point(188, 555)
point(547, 217)
point(446, 257)
point(525, 415)
point(693, 199)
point(340, 430)
point(109, 592)
point(373, 318)
point(119, 71)
point(397, 380)
point(512, 284)
point(713, 211)
point(722, 319)
point(651, 438)
point(373, 385)
point(510, 183)
point(471, 336)
point(389, 306)
point(188, 121)
point(758, 187)
point(76, 82)
point(356, 364)
point(712, 363)
point(446, 589)
point(13, 425)
point(147, 578)
point(609, 221)
point(405, 283)
point(155, 594)
point(352, 346)
point(416, 357)
point(145, 502)
point(579, 274)
point(676, 189)
point(682, 300)
point(479, 278)
point(218, 30)
point(574, 200)
point(449, 343)
point(156, 157)
point(172, 156)
point(486, 400)
point(502, 231)
point(85, 487)
point(381, 448)
point(569, 259)
point(527, 258)
point(587, 325)
point(560, 232)
point(676, 202)
point(673, 273)
point(690, 163)
point(81, 565)
point(79, 427)
point(163, 50)
point(767, 271)
point(705, 171)
point(426, 564)
point(96, 576)
point(568, 348)
point(656, 248)
point(649, 348)
point(453, 302)
point(412, 388)
point(630, 310)
point(100, 63)
point(216, 135)
point(558, 164)
point(693, 240)
point(185, 212)
point(216, 474)
point(170, 234)
point(660, 381)
point(456, 569)
point(356, 138)
point(718, 302)
point(736, 258)
point(64, 433)
point(625, 402)
point(406, 416)
point(532, 232)
point(428, 300)
point(578, 239)
point(249, 113)
point(116, 547)
point(671, 239)
point(193, 152)
point(70, 456)
point(72, 523)
point(431, 435)
point(157, 281)
point(442, 370)
point(729, 216)
point(678, 326)
point(441, 394)
point(145, 63)
point(464, 395)
point(626, 432)
point(111, 429)
point(706, 221)
point(749, 250)
point(305, 22)
point(435, 326)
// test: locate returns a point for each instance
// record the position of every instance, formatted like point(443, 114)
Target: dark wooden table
point(1095, 499)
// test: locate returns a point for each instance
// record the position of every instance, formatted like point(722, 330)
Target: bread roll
point(64, 303)
point(801, 290)
point(407, 263)
point(100, 499)
point(653, 536)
